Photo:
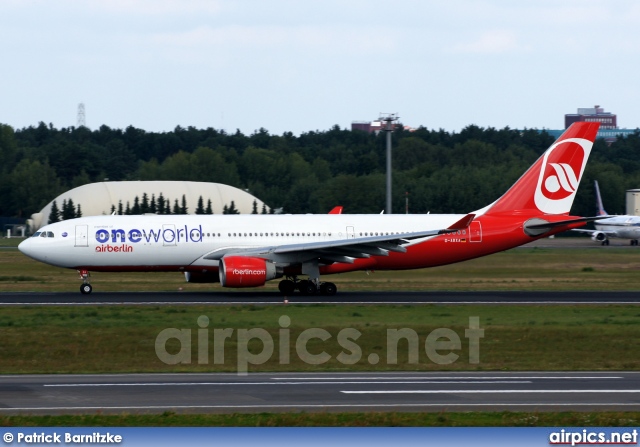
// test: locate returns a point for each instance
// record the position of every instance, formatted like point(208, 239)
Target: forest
point(434, 170)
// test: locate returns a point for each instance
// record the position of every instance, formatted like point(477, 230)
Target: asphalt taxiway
point(377, 391)
point(224, 298)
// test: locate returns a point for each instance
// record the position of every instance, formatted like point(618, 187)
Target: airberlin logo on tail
point(561, 182)
point(562, 168)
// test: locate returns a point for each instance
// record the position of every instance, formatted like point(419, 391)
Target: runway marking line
point(451, 378)
point(488, 391)
point(348, 382)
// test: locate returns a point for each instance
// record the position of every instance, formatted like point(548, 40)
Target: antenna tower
point(81, 118)
point(389, 119)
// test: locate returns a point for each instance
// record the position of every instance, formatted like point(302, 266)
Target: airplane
point(624, 227)
point(248, 250)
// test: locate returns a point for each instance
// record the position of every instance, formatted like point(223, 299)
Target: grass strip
point(393, 419)
point(115, 339)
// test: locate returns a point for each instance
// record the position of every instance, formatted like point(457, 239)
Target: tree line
point(438, 171)
point(146, 205)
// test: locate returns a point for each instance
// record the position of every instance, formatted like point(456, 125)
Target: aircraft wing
point(606, 233)
point(341, 250)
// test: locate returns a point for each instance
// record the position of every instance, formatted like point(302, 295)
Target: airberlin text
point(167, 235)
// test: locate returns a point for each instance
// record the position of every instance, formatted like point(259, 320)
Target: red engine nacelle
point(240, 271)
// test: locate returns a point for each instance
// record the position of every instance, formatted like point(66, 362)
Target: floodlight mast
point(389, 119)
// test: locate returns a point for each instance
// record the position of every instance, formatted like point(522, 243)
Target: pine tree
point(264, 209)
point(161, 204)
point(54, 215)
point(113, 209)
point(200, 208)
point(152, 206)
point(254, 209)
point(225, 209)
point(120, 211)
point(127, 210)
point(183, 208)
point(136, 206)
point(79, 211)
point(176, 207)
point(232, 208)
point(144, 206)
point(70, 212)
point(209, 210)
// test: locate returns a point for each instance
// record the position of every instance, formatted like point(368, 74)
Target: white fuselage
point(168, 242)
point(626, 227)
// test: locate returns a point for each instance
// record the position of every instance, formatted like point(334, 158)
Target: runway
point(312, 392)
point(261, 298)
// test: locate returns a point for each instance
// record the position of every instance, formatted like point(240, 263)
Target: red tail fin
point(550, 185)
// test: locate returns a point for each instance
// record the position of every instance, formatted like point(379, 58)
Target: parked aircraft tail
point(599, 207)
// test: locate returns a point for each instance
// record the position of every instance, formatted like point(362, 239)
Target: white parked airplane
point(248, 250)
point(624, 227)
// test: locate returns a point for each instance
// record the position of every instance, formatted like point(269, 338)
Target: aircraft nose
point(26, 248)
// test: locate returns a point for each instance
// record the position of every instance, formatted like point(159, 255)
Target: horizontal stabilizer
point(460, 225)
point(536, 227)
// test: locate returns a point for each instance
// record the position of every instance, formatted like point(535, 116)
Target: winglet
point(460, 225)
point(336, 210)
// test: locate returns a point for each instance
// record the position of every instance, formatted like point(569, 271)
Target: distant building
point(608, 123)
point(596, 114)
point(375, 126)
point(367, 126)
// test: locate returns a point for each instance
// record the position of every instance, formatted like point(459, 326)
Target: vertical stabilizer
point(550, 185)
point(599, 207)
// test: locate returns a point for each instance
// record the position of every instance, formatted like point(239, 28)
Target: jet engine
point(241, 271)
point(597, 236)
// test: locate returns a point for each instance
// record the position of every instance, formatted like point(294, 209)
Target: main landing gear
point(85, 288)
point(306, 287)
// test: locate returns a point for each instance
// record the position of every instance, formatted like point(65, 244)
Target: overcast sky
point(307, 65)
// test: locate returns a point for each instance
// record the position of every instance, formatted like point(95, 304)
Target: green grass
point(391, 419)
point(117, 339)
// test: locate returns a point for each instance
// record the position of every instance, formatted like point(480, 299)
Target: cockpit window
point(36, 234)
point(43, 234)
point(49, 233)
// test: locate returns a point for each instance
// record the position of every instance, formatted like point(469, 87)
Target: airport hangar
point(99, 198)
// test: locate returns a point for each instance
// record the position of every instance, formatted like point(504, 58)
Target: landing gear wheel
point(634, 241)
point(86, 289)
point(307, 287)
point(605, 242)
point(328, 288)
point(287, 287)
